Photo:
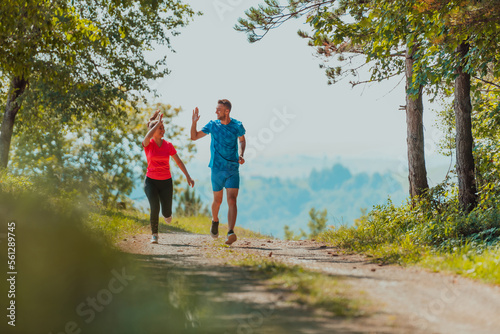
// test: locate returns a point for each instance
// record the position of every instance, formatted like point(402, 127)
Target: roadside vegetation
point(432, 232)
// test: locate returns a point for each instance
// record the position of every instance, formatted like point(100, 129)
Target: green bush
point(431, 224)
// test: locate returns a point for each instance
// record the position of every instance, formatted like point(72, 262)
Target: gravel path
point(406, 300)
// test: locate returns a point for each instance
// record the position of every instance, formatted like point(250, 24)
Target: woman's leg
point(151, 190)
point(166, 192)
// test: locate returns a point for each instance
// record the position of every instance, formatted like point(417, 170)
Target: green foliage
point(290, 235)
point(468, 262)
point(12, 185)
point(433, 226)
point(81, 57)
point(317, 223)
point(100, 158)
point(95, 43)
point(190, 205)
point(485, 122)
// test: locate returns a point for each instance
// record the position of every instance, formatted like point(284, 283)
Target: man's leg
point(216, 205)
point(232, 194)
point(217, 187)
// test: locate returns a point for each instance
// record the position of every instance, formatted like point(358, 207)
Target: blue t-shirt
point(224, 145)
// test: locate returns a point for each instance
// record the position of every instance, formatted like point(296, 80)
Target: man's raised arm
point(195, 135)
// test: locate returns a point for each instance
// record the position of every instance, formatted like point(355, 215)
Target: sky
point(281, 95)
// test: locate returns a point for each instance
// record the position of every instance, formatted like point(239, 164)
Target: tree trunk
point(17, 88)
point(417, 175)
point(464, 141)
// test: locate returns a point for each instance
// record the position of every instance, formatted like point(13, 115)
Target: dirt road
point(405, 300)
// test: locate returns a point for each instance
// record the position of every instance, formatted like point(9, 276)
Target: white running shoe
point(154, 238)
point(231, 238)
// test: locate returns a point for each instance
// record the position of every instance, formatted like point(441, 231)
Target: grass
point(434, 236)
point(354, 239)
point(466, 262)
point(116, 224)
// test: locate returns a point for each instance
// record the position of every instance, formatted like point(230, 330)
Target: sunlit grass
point(400, 250)
point(467, 262)
point(116, 224)
point(459, 244)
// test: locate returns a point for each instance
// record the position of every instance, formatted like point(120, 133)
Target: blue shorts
point(225, 179)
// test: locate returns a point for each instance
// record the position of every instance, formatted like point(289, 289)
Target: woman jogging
point(158, 183)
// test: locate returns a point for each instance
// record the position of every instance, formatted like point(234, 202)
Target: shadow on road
point(227, 299)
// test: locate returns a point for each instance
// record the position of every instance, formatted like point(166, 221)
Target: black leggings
point(158, 191)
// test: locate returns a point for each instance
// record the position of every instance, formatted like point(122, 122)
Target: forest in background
point(267, 204)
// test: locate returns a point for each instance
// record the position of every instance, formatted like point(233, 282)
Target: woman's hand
point(153, 125)
point(190, 181)
point(157, 115)
point(157, 121)
point(154, 115)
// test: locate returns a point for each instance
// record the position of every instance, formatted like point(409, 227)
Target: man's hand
point(196, 115)
point(241, 160)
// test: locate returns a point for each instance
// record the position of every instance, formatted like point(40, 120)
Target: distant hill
point(267, 204)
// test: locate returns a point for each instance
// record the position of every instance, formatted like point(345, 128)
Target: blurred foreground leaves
point(69, 281)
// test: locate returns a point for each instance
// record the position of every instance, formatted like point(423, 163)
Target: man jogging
point(224, 162)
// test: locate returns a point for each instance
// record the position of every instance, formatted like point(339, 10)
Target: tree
point(190, 205)
point(462, 43)
point(376, 33)
point(485, 122)
point(463, 123)
point(88, 53)
point(333, 178)
point(99, 158)
point(290, 235)
point(317, 222)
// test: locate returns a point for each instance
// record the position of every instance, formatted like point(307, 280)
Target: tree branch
point(486, 81)
point(277, 20)
point(372, 80)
